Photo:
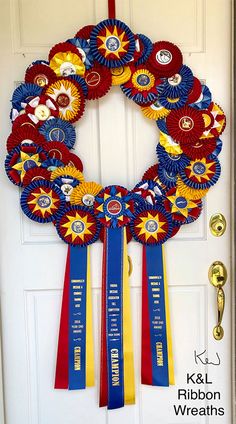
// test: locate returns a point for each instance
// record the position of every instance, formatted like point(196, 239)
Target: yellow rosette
point(84, 194)
point(120, 75)
point(169, 144)
point(67, 63)
point(190, 193)
point(155, 111)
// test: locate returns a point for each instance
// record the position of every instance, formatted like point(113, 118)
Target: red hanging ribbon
point(61, 378)
point(112, 9)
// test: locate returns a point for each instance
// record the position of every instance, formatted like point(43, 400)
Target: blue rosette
point(168, 178)
point(151, 225)
point(172, 102)
point(84, 49)
point(23, 94)
point(171, 162)
point(81, 82)
point(205, 99)
point(139, 97)
point(114, 206)
point(139, 201)
point(161, 125)
point(179, 84)
point(38, 62)
point(78, 226)
point(147, 49)
point(112, 43)
point(22, 158)
point(42, 201)
point(57, 129)
point(52, 164)
point(201, 174)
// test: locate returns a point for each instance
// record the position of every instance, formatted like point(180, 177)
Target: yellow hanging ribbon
point(168, 326)
point(89, 329)
point(129, 382)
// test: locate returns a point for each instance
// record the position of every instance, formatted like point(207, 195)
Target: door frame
point(232, 237)
point(233, 220)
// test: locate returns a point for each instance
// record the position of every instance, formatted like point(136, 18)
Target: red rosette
point(63, 47)
point(175, 230)
point(37, 173)
point(23, 121)
point(199, 149)
point(128, 234)
point(75, 161)
point(57, 150)
point(166, 58)
point(24, 135)
point(185, 125)
point(40, 108)
point(84, 32)
point(40, 75)
point(98, 80)
point(196, 91)
point(151, 173)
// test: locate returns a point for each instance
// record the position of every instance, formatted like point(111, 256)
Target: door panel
point(117, 144)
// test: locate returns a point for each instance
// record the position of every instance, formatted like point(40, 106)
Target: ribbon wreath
point(44, 110)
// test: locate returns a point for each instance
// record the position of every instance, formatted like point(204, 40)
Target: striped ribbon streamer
point(157, 357)
point(117, 387)
point(75, 356)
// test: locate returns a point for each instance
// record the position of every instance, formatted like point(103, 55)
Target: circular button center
point(143, 80)
point(28, 164)
point(93, 79)
point(57, 134)
point(44, 201)
point(78, 227)
point(164, 57)
point(41, 80)
point(186, 123)
point(42, 112)
point(181, 202)
point(88, 200)
point(151, 226)
point(63, 100)
point(199, 168)
point(112, 43)
point(114, 207)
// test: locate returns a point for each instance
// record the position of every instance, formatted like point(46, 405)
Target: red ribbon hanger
point(112, 9)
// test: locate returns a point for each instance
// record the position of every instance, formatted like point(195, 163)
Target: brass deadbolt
point(217, 224)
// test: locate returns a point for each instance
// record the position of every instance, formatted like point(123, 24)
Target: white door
point(116, 144)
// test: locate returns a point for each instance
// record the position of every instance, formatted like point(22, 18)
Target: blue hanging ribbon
point(77, 317)
point(114, 313)
point(157, 313)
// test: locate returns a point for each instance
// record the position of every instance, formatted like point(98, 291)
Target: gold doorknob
point(217, 276)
